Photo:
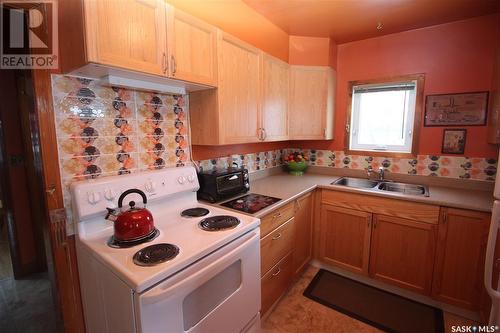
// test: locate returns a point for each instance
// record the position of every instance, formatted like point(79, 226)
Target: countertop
point(289, 187)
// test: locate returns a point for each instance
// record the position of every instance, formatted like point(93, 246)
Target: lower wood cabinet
point(459, 267)
point(302, 245)
point(402, 252)
point(285, 247)
point(275, 282)
point(276, 245)
point(345, 238)
point(437, 255)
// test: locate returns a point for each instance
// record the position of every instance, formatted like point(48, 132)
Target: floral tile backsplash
point(424, 165)
point(104, 131)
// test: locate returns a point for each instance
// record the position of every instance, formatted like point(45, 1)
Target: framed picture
point(454, 141)
point(464, 109)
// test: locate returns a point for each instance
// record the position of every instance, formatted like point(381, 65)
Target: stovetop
point(251, 203)
point(169, 193)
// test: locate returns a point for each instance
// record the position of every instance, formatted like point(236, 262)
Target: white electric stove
point(211, 283)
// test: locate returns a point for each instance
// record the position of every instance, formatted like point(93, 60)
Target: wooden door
point(459, 266)
point(345, 238)
point(275, 91)
point(302, 249)
point(192, 47)
point(402, 252)
point(239, 90)
point(129, 34)
point(311, 103)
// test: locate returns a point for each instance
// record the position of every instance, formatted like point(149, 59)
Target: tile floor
point(26, 305)
point(296, 313)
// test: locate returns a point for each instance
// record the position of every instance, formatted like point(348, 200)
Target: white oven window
point(199, 303)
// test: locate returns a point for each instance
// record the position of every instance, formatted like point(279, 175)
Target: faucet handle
point(369, 171)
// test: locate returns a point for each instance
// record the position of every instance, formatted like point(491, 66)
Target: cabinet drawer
point(275, 283)
point(368, 203)
point(272, 220)
point(276, 245)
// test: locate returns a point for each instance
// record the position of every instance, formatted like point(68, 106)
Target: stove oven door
point(220, 293)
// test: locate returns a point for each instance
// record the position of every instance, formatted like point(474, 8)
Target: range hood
point(116, 77)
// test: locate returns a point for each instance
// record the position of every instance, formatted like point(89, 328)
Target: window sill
point(380, 153)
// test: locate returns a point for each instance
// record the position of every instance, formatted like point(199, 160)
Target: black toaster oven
point(217, 185)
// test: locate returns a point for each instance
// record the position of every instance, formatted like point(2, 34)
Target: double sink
point(383, 185)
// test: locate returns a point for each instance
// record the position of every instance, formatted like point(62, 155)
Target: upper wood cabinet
point(312, 91)
point(239, 90)
point(192, 48)
point(345, 238)
point(231, 113)
point(275, 91)
point(130, 34)
point(459, 266)
point(402, 252)
point(139, 36)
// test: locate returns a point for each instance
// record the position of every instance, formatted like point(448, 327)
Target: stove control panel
point(91, 197)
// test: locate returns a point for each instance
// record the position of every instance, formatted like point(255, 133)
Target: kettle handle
point(132, 190)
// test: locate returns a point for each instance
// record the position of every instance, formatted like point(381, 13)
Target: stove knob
point(181, 179)
point(191, 178)
point(109, 194)
point(247, 185)
point(93, 197)
point(149, 186)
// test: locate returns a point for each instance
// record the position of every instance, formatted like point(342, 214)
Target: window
point(385, 115)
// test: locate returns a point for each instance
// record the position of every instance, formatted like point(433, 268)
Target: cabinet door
point(275, 90)
point(130, 34)
point(311, 103)
point(192, 47)
point(345, 238)
point(302, 247)
point(275, 283)
point(459, 266)
point(402, 252)
point(239, 85)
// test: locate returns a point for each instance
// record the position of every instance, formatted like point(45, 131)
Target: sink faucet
point(381, 172)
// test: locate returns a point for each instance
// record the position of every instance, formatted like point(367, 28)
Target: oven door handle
point(198, 277)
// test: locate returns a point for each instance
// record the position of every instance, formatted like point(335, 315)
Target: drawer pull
point(277, 236)
point(279, 271)
point(277, 215)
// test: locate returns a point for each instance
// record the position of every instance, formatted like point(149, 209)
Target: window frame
point(417, 120)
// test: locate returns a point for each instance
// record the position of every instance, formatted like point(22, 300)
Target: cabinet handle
point(165, 65)
point(277, 237)
point(368, 224)
point(264, 134)
point(259, 133)
point(324, 133)
point(174, 65)
point(444, 218)
point(277, 215)
point(374, 224)
point(279, 271)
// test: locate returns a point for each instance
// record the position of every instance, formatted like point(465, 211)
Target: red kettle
point(133, 223)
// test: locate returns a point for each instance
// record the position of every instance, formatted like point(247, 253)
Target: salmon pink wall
point(238, 19)
point(309, 51)
point(455, 57)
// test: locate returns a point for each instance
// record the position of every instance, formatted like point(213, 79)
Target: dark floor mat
point(378, 308)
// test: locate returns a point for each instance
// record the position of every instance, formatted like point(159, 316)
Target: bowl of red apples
point(296, 163)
